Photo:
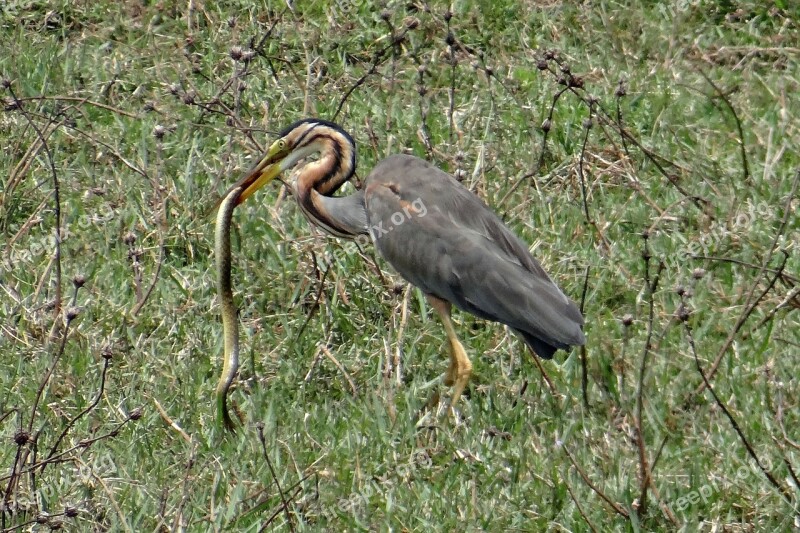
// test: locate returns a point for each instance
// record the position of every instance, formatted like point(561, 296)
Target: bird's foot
point(459, 372)
point(458, 390)
point(450, 376)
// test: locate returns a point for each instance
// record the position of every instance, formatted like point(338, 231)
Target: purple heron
point(432, 230)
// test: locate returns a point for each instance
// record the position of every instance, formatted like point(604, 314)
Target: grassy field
point(647, 152)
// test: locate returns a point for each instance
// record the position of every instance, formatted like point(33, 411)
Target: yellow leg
point(460, 367)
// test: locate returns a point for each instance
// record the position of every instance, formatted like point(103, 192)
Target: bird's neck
point(317, 181)
point(335, 165)
point(340, 216)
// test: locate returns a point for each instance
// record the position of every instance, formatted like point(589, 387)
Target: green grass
point(134, 212)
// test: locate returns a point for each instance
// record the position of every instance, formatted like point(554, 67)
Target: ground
point(647, 153)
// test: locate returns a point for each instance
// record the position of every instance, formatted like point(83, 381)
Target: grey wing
point(443, 239)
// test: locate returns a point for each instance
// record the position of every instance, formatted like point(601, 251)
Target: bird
point(437, 234)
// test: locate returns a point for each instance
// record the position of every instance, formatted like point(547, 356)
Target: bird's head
point(302, 139)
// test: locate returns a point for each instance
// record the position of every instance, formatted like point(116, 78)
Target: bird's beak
point(262, 173)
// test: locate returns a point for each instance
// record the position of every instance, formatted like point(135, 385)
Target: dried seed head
point(683, 313)
point(106, 353)
point(136, 414)
point(588, 123)
point(562, 80)
point(6, 83)
point(680, 290)
point(21, 437)
point(541, 64)
point(412, 23)
point(129, 238)
point(159, 131)
point(232, 22)
point(134, 254)
point(698, 273)
point(248, 55)
point(55, 525)
point(489, 71)
point(627, 320)
point(42, 519)
point(576, 81)
point(148, 106)
point(621, 91)
point(386, 14)
point(79, 280)
point(70, 512)
point(73, 312)
point(188, 98)
point(235, 52)
point(565, 68)
point(175, 89)
point(422, 91)
point(549, 55)
point(448, 15)
point(450, 39)
point(546, 125)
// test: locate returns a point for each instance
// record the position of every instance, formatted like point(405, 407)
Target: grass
point(139, 114)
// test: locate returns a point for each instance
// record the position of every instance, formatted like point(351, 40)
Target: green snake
point(230, 323)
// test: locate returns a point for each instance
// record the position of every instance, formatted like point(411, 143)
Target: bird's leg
point(460, 366)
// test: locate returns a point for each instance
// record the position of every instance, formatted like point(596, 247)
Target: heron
point(437, 234)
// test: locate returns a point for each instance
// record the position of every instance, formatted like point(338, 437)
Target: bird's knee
point(464, 370)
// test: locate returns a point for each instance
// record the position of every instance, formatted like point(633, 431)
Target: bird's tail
point(540, 347)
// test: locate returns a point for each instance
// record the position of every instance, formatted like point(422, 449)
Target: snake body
point(230, 322)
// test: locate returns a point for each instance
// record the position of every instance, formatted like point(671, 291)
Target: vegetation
point(646, 151)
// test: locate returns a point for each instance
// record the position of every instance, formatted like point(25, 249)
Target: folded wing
point(442, 238)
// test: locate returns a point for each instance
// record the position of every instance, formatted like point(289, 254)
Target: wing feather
point(442, 238)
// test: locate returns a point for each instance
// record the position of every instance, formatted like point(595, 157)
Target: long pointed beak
point(262, 173)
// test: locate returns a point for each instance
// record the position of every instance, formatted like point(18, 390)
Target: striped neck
point(318, 180)
point(337, 155)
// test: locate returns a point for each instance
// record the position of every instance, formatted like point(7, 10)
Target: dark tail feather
point(539, 347)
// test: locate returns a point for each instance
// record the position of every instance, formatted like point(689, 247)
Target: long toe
point(452, 373)
point(463, 373)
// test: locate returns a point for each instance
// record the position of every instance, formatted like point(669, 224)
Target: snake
point(230, 322)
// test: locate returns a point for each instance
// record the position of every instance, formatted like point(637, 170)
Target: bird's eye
point(282, 144)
